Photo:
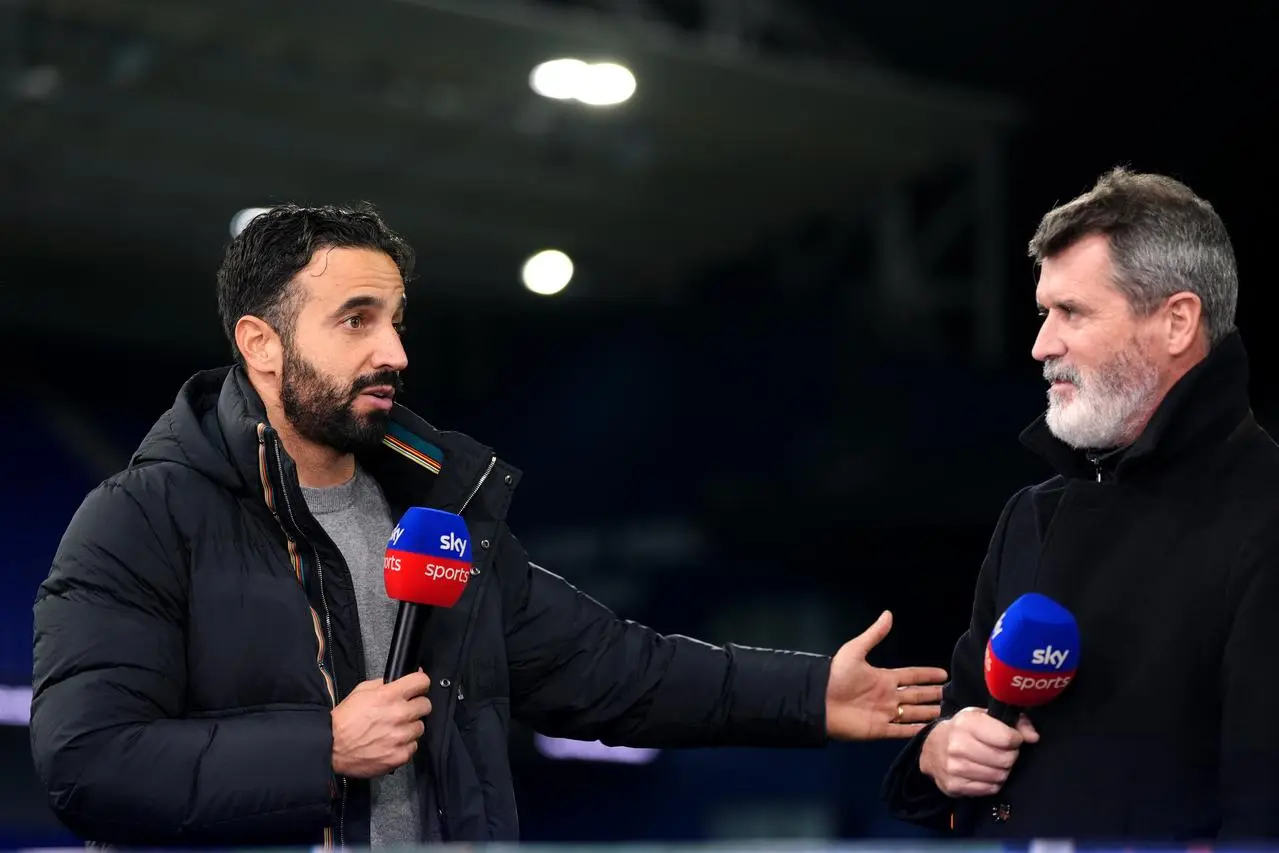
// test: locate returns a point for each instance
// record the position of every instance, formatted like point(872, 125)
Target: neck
point(1169, 377)
point(319, 466)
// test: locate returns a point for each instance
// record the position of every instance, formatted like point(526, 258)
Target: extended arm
point(579, 671)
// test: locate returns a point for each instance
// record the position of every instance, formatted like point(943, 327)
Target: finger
point(900, 730)
point(872, 636)
point(992, 733)
point(968, 749)
point(1027, 730)
point(416, 709)
point(405, 754)
point(918, 695)
point(413, 684)
point(917, 714)
point(971, 771)
point(416, 731)
point(920, 675)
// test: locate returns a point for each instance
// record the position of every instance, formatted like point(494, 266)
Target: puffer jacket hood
point(202, 430)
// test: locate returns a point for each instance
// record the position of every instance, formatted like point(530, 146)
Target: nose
point(1048, 343)
point(390, 353)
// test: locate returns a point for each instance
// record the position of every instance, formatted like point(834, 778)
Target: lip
point(385, 403)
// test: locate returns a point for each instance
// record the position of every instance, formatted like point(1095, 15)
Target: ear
point(261, 347)
point(1184, 329)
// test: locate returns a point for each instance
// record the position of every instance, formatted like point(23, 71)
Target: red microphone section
point(1022, 688)
point(425, 579)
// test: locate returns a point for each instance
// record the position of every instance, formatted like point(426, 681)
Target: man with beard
point(1159, 532)
point(205, 640)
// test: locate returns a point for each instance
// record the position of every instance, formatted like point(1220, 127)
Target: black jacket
point(1168, 556)
point(198, 625)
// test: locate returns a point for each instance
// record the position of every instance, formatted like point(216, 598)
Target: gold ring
point(901, 709)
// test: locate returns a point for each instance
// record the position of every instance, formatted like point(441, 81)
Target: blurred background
point(741, 288)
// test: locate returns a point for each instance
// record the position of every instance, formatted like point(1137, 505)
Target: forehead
point(335, 274)
point(1082, 271)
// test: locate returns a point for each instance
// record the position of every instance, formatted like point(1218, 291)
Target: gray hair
point(1163, 239)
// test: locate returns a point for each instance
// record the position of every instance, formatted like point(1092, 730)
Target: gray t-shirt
point(358, 520)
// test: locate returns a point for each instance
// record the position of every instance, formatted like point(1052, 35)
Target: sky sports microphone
point(427, 564)
point(1032, 656)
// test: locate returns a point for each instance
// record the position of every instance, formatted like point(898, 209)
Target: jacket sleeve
point(578, 671)
point(910, 795)
point(117, 759)
point(1250, 702)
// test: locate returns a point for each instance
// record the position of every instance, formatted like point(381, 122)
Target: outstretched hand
point(867, 703)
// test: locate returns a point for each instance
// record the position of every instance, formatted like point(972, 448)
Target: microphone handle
point(1006, 714)
point(406, 641)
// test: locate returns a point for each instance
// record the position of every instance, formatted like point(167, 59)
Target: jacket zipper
point(328, 622)
point(475, 491)
point(466, 636)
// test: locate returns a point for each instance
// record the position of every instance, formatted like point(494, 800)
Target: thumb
point(872, 636)
point(1027, 729)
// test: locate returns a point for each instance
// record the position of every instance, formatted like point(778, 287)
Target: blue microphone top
point(431, 532)
point(1036, 634)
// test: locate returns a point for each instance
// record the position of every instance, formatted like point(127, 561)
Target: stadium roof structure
point(135, 130)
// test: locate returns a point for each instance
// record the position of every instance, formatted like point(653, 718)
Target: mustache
point(1057, 372)
point(389, 378)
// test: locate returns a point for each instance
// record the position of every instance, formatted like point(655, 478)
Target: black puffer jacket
point(198, 625)
point(1167, 554)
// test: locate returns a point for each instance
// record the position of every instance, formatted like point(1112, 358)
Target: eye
point(354, 322)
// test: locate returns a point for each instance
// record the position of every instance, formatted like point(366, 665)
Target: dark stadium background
point(790, 369)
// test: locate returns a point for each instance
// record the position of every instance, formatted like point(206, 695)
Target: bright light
point(242, 218)
point(605, 85)
point(15, 706)
point(600, 84)
point(578, 750)
point(548, 272)
point(559, 79)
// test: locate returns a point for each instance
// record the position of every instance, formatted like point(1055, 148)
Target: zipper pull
point(1096, 465)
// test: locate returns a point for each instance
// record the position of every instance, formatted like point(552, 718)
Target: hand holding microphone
point(427, 564)
point(377, 727)
point(1031, 657)
point(971, 754)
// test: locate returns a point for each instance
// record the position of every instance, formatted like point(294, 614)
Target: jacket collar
point(416, 464)
point(1202, 409)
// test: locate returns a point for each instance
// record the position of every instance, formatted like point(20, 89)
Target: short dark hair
point(1163, 239)
point(262, 260)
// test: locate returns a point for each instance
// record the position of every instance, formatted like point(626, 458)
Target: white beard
point(1106, 404)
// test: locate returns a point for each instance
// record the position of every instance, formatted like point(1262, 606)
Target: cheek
point(1097, 344)
point(320, 349)
point(1081, 349)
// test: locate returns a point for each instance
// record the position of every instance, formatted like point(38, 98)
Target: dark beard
point(325, 415)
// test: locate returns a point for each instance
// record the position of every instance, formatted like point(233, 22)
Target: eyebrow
point(366, 301)
point(1063, 302)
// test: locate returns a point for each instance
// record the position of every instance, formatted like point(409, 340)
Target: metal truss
point(941, 273)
